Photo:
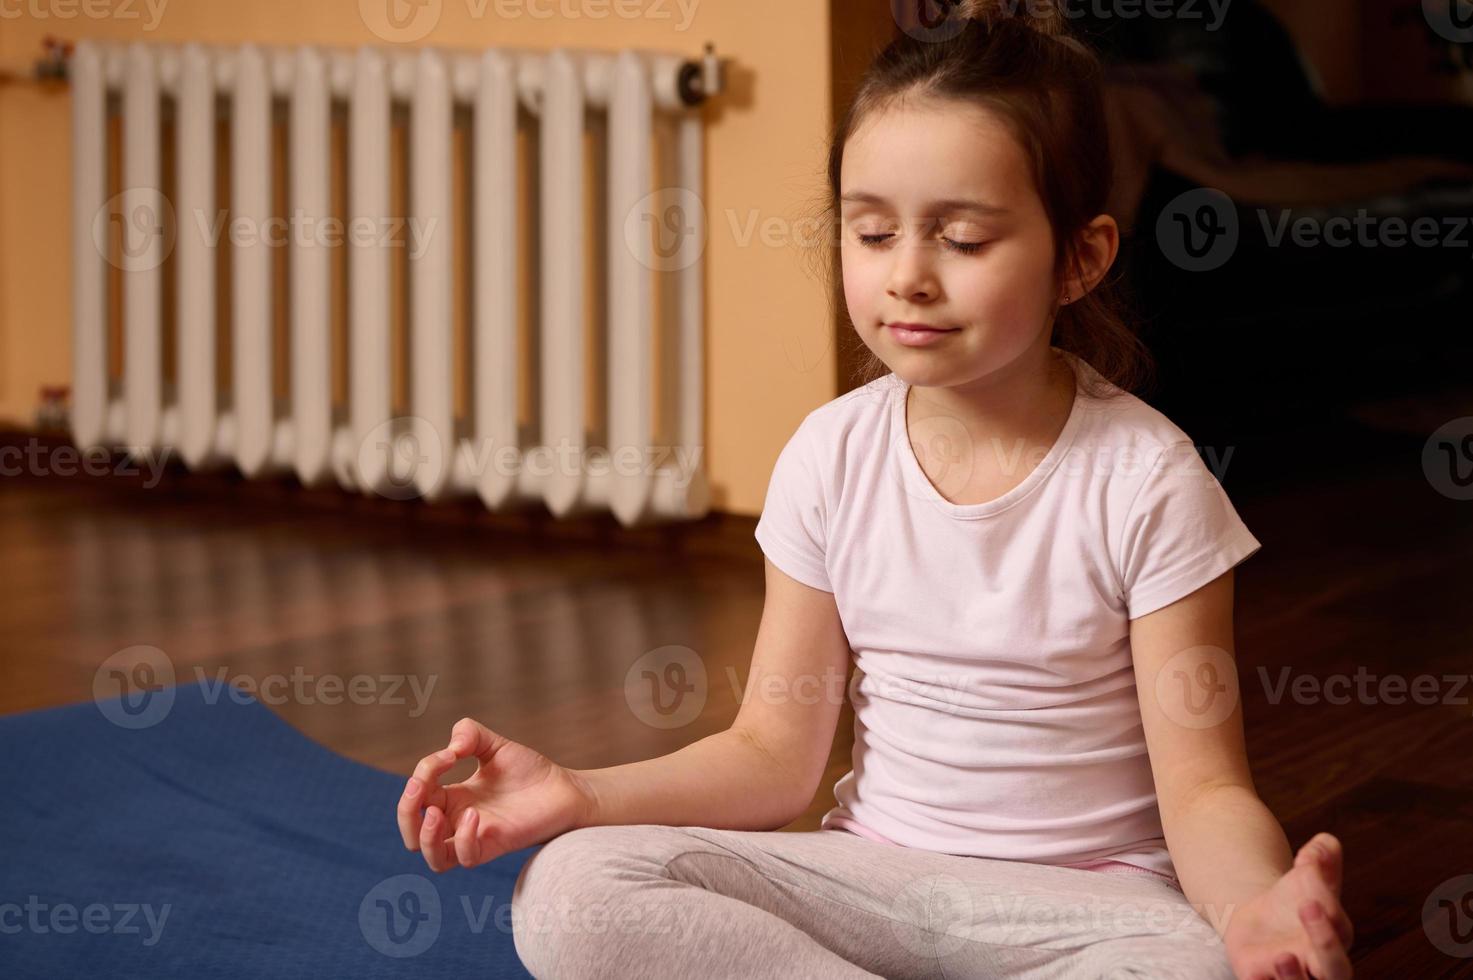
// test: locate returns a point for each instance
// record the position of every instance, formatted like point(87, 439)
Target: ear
point(1095, 248)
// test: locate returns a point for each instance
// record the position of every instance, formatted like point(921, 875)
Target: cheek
point(861, 280)
point(983, 290)
point(1010, 284)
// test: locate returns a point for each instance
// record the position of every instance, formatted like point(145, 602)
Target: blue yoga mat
point(218, 841)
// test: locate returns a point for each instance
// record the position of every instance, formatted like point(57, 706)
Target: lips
point(918, 334)
point(919, 326)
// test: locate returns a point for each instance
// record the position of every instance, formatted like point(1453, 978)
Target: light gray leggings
point(672, 903)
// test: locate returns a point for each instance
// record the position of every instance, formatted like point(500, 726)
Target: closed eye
point(966, 248)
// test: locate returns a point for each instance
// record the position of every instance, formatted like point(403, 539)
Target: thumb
point(1324, 854)
point(469, 738)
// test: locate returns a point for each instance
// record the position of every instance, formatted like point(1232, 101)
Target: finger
point(1339, 921)
point(1334, 912)
point(1288, 967)
point(1332, 861)
point(433, 766)
point(1343, 927)
point(432, 840)
point(1327, 956)
point(416, 796)
point(469, 737)
point(409, 813)
point(1326, 855)
point(467, 844)
point(1314, 887)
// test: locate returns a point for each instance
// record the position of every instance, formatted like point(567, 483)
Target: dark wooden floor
point(531, 627)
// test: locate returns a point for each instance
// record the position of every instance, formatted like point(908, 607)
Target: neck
point(1029, 398)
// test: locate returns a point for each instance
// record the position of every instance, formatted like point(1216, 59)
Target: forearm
point(1227, 848)
point(726, 781)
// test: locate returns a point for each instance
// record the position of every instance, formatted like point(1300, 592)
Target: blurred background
point(1295, 188)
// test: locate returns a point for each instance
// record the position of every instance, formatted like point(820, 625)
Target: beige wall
point(770, 351)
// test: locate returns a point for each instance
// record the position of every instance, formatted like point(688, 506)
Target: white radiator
point(427, 451)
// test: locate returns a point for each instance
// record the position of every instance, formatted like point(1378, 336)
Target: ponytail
point(1043, 16)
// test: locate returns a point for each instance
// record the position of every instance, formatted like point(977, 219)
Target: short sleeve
point(1180, 533)
point(792, 528)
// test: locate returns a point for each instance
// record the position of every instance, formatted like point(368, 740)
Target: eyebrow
point(945, 206)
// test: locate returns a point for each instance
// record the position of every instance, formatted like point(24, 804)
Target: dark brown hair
point(1019, 59)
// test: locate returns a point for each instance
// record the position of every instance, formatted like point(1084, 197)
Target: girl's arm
point(728, 780)
point(1232, 857)
point(762, 772)
point(759, 774)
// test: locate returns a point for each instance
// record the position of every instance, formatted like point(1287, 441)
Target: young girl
point(1034, 575)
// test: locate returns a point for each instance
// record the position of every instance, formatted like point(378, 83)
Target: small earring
point(1066, 297)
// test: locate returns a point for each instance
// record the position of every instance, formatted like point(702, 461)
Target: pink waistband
point(1102, 865)
point(1109, 866)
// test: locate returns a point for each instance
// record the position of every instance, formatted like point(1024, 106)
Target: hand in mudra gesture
point(1297, 928)
point(517, 797)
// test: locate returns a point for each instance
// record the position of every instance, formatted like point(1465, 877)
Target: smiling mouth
point(917, 334)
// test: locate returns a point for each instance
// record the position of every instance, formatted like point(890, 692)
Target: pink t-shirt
point(995, 707)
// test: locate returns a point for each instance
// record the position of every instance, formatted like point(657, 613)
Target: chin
point(922, 370)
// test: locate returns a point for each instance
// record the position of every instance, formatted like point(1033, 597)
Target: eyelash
point(966, 248)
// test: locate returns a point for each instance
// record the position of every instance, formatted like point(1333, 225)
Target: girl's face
point(941, 226)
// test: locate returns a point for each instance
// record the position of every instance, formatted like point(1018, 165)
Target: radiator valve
point(699, 80)
point(51, 413)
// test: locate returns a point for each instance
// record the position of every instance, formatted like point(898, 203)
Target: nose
point(912, 276)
